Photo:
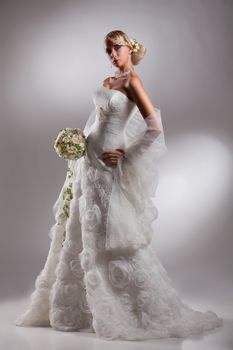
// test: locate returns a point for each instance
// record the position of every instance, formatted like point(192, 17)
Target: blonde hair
point(121, 38)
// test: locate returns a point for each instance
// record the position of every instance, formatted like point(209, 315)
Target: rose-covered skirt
point(93, 283)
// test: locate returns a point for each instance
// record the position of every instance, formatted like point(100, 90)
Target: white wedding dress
point(101, 274)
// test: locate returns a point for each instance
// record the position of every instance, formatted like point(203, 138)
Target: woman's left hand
point(111, 158)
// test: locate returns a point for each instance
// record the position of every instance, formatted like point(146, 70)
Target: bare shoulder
point(135, 86)
point(134, 81)
point(140, 95)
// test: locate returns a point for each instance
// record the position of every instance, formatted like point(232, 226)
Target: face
point(118, 54)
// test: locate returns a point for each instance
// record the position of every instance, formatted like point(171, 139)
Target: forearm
point(153, 130)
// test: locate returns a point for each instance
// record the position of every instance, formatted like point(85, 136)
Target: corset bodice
point(113, 109)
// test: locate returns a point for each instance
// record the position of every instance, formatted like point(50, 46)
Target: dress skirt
point(118, 293)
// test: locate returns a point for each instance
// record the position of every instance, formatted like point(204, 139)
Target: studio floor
point(46, 338)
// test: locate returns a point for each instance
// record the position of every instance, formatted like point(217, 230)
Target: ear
point(130, 50)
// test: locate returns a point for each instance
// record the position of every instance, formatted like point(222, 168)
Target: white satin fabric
point(105, 277)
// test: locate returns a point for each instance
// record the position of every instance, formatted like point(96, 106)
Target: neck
point(125, 69)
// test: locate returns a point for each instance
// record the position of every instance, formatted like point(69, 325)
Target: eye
point(117, 46)
point(108, 51)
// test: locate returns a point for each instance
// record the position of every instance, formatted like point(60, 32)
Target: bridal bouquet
point(70, 143)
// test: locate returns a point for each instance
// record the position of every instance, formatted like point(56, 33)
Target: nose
point(113, 55)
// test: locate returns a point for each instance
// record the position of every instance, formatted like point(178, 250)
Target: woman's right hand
point(110, 158)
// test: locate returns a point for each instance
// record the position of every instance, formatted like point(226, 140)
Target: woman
point(101, 274)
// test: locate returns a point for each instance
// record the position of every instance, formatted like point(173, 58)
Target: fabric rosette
point(70, 143)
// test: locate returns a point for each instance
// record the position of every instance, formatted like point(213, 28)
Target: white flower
point(66, 139)
point(120, 273)
point(72, 149)
point(92, 279)
point(135, 44)
point(142, 278)
point(76, 139)
point(144, 299)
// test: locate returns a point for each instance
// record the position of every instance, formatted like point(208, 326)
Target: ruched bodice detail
point(113, 110)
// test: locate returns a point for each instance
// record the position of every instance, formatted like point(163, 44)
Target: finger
point(107, 152)
point(111, 153)
point(114, 157)
point(106, 155)
point(111, 157)
point(112, 160)
point(120, 150)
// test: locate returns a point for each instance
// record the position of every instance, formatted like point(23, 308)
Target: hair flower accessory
point(135, 45)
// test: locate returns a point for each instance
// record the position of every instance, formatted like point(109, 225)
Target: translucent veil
point(144, 164)
point(136, 127)
point(136, 180)
point(90, 122)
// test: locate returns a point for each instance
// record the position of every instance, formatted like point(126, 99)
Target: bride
point(101, 274)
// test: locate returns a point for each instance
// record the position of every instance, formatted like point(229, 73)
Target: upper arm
point(140, 96)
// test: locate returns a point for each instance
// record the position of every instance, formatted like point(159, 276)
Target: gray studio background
point(52, 59)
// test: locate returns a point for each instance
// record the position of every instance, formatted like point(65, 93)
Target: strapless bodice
point(113, 109)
